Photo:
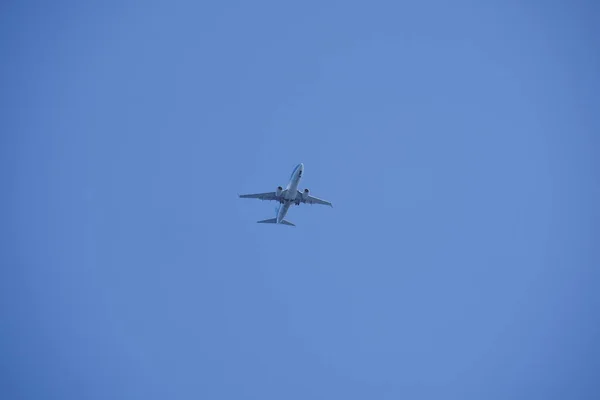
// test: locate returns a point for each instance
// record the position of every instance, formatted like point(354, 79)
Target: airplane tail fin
point(274, 221)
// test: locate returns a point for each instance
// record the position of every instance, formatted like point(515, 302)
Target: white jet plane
point(286, 197)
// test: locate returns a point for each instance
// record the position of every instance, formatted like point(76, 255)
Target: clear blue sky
point(457, 140)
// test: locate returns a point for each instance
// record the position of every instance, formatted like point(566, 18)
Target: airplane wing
point(260, 196)
point(314, 200)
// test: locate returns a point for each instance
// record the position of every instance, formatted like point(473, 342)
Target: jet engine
point(305, 194)
point(278, 191)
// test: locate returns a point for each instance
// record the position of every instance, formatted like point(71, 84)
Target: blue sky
point(457, 140)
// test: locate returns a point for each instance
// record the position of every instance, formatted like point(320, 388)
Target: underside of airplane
point(287, 197)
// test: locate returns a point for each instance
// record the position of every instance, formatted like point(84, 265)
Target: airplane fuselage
point(291, 191)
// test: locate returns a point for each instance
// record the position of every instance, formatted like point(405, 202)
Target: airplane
point(286, 197)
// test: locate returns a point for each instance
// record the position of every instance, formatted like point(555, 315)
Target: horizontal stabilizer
point(274, 221)
point(267, 221)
